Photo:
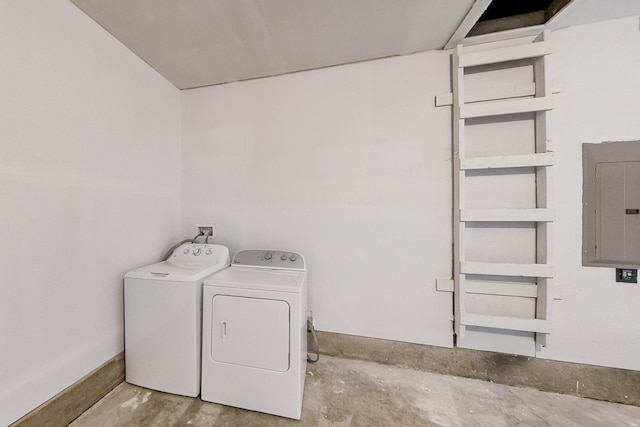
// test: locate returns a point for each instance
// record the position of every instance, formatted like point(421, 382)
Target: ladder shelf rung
point(510, 106)
point(524, 290)
point(506, 269)
point(498, 162)
point(512, 53)
point(506, 215)
point(502, 322)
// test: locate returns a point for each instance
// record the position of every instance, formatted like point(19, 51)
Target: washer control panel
point(269, 259)
point(192, 251)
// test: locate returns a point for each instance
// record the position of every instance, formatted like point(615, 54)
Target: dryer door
point(251, 332)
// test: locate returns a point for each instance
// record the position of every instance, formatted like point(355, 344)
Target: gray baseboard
point(595, 382)
point(70, 403)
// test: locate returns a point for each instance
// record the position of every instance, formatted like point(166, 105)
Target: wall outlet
point(206, 230)
point(626, 275)
point(309, 320)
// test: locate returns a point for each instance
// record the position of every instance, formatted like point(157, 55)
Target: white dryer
point(163, 318)
point(254, 342)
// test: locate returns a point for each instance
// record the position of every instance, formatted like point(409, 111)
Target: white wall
point(349, 166)
point(89, 183)
point(597, 321)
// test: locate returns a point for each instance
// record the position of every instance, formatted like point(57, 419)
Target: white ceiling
point(197, 43)
point(205, 42)
point(587, 11)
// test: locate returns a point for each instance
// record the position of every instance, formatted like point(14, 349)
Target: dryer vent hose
point(311, 329)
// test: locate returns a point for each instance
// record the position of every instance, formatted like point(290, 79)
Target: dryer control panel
point(269, 259)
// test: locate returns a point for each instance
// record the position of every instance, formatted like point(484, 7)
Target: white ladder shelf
point(542, 215)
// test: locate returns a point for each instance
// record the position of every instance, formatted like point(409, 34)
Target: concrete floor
point(342, 392)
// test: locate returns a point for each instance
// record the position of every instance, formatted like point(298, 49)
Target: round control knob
point(208, 252)
point(197, 251)
point(186, 251)
point(293, 258)
point(267, 256)
point(283, 257)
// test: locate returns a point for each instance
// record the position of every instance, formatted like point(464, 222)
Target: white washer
point(163, 317)
point(254, 342)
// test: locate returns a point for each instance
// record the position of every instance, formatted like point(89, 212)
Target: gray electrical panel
point(611, 204)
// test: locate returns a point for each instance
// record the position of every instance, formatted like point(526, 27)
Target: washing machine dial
point(292, 258)
point(208, 252)
point(197, 251)
point(268, 256)
point(283, 257)
point(186, 251)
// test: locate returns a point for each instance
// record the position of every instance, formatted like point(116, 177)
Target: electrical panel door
point(618, 212)
point(611, 204)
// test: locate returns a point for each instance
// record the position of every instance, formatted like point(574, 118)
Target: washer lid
point(258, 279)
point(184, 265)
point(176, 273)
